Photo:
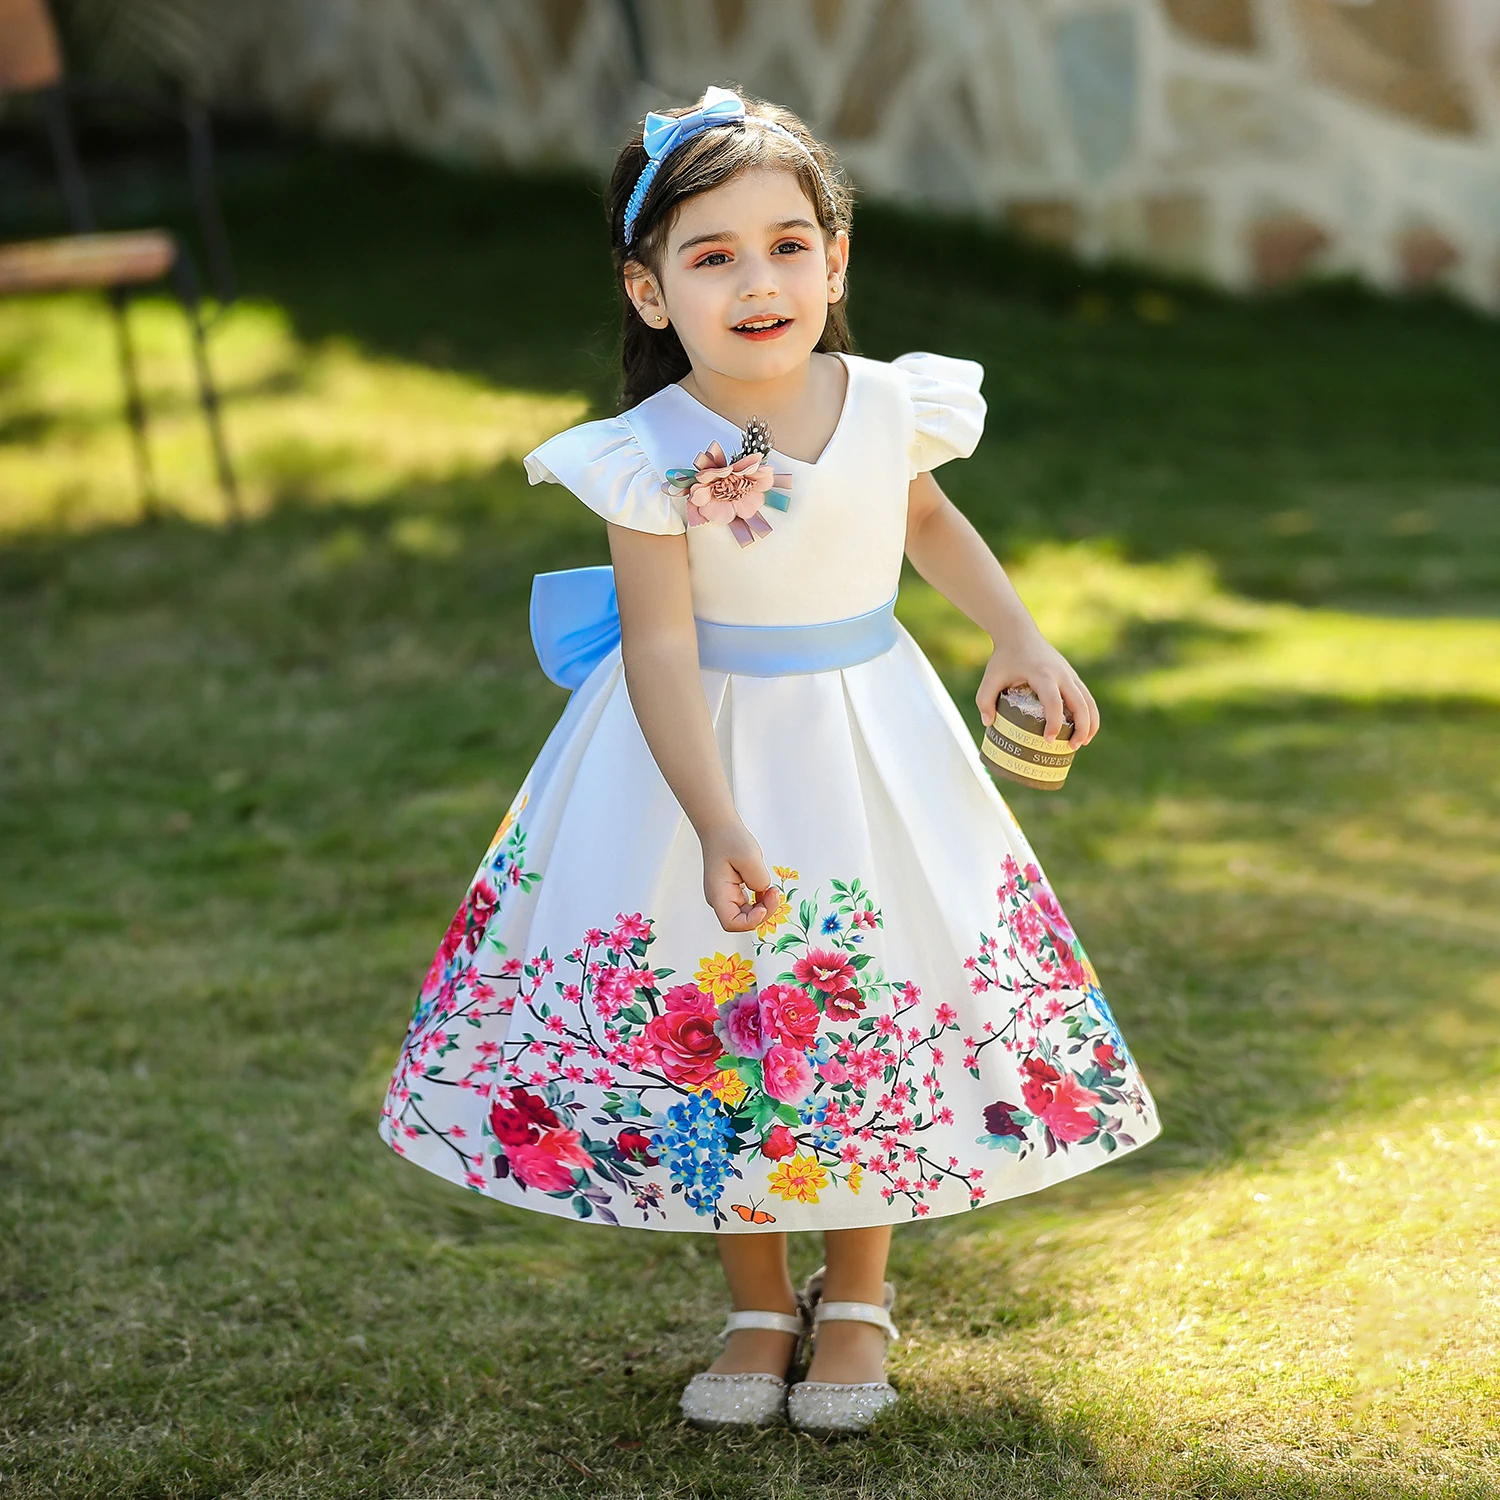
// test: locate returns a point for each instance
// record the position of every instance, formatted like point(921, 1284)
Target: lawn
point(245, 774)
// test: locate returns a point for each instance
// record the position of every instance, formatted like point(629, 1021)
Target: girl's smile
point(761, 329)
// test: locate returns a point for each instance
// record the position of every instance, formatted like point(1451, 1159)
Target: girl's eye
point(784, 245)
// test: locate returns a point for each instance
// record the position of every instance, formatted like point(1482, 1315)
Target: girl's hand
point(1032, 658)
point(732, 861)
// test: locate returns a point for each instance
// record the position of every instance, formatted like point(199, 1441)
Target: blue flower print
point(695, 1140)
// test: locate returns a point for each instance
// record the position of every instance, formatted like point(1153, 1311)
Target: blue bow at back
point(575, 621)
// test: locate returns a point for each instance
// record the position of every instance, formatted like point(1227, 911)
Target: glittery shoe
point(826, 1408)
point(753, 1398)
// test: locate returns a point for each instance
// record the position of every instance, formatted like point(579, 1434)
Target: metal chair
point(116, 262)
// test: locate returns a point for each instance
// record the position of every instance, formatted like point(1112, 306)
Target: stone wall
point(1251, 141)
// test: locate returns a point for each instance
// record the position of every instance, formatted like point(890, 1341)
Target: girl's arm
point(659, 647)
point(951, 555)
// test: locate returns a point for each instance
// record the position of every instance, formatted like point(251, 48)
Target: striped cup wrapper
point(1013, 745)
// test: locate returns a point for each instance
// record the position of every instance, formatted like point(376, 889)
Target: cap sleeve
point(946, 405)
point(604, 464)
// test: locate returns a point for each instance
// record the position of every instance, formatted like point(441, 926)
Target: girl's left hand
point(1035, 660)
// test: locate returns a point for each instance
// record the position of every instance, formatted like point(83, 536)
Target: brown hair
point(651, 358)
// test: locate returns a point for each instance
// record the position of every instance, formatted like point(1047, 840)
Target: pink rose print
point(687, 1049)
point(548, 1162)
point(790, 1014)
point(539, 1169)
point(779, 1142)
point(566, 1145)
point(689, 997)
point(1038, 1074)
point(741, 1027)
point(788, 1074)
point(1065, 1116)
point(1052, 913)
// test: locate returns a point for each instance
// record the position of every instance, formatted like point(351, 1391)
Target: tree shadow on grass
point(1328, 446)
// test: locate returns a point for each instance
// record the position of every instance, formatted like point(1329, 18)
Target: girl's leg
point(755, 1268)
point(855, 1260)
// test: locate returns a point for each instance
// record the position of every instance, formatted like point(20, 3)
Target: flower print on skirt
point(802, 1086)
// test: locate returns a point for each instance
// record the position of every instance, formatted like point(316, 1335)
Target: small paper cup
point(1014, 747)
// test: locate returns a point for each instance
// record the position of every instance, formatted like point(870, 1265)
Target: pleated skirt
point(916, 1030)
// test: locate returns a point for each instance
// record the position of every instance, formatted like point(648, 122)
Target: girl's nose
point(760, 278)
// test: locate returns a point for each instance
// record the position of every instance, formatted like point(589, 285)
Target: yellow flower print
point(505, 822)
point(774, 919)
point(799, 1180)
point(785, 872)
point(728, 1087)
point(856, 1176)
point(724, 976)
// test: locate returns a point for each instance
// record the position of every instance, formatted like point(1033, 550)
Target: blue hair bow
point(661, 133)
point(717, 107)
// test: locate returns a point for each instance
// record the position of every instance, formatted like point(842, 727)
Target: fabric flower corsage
point(731, 492)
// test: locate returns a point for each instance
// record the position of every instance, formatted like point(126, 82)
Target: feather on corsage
point(732, 491)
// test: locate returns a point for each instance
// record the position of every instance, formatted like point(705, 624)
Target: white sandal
point(752, 1398)
point(826, 1408)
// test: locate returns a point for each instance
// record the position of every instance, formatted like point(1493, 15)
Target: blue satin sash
point(575, 624)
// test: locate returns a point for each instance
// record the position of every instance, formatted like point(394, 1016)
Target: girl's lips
point(761, 334)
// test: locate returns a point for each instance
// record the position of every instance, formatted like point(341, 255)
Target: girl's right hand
point(732, 861)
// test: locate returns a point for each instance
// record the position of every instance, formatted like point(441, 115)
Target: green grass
point(243, 776)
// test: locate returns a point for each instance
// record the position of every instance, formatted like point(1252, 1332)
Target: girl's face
point(747, 251)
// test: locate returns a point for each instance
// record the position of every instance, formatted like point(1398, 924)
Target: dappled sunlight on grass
point(1333, 1307)
point(305, 423)
point(1189, 641)
point(1372, 865)
point(1337, 1296)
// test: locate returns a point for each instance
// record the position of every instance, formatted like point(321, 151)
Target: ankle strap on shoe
point(856, 1312)
point(779, 1322)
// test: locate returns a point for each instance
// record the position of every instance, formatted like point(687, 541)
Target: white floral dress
point(916, 1031)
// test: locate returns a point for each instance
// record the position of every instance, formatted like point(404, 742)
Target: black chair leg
point(135, 407)
point(185, 279)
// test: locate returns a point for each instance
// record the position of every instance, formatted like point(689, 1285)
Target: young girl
point(634, 1018)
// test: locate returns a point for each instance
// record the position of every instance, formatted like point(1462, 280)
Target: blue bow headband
point(661, 133)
